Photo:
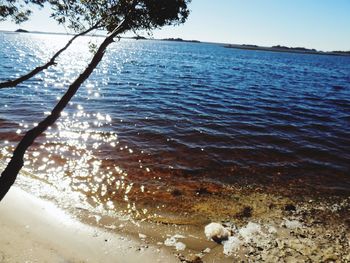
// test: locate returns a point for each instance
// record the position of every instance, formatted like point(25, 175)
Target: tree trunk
point(15, 82)
point(9, 175)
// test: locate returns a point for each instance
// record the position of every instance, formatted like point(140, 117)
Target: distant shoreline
point(19, 31)
point(288, 50)
point(180, 40)
point(43, 33)
point(283, 49)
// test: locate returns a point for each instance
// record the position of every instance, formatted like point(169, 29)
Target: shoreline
point(36, 230)
point(108, 202)
point(290, 50)
point(225, 45)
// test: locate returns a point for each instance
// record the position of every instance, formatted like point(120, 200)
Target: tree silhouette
point(81, 16)
point(127, 15)
point(19, 13)
point(51, 62)
point(18, 10)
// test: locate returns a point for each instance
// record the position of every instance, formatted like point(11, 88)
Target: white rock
point(292, 224)
point(172, 242)
point(142, 236)
point(207, 250)
point(249, 231)
point(180, 246)
point(231, 245)
point(216, 232)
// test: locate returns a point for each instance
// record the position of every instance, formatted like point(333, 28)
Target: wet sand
point(34, 230)
point(263, 227)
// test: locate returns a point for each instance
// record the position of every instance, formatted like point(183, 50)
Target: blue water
point(181, 111)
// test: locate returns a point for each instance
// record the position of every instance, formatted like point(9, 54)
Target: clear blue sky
point(320, 24)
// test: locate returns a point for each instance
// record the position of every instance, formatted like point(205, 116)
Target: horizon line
point(180, 39)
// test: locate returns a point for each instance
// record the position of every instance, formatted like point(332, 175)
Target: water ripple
point(154, 109)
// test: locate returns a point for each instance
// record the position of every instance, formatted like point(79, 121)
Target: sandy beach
point(166, 139)
point(33, 230)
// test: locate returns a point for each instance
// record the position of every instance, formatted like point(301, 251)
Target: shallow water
point(158, 119)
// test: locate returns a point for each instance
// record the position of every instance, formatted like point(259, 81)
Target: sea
point(162, 120)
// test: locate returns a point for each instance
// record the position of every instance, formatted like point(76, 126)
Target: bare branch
point(51, 62)
point(9, 175)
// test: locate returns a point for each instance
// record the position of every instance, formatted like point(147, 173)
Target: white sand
point(33, 230)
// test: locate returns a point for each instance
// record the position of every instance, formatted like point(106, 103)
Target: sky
point(319, 24)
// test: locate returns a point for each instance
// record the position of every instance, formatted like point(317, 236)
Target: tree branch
point(9, 175)
point(15, 82)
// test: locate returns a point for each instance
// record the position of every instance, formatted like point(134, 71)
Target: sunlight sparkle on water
point(81, 152)
point(66, 158)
